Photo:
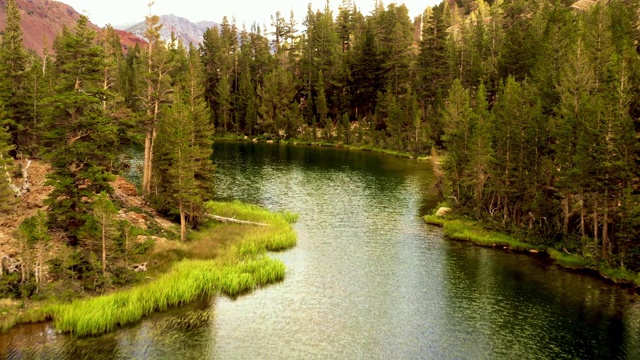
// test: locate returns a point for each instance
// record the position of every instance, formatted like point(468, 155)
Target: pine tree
point(223, 100)
point(431, 63)
point(345, 123)
point(481, 147)
point(202, 139)
point(34, 233)
point(275, 99)
point(395, 40)
point(457, 137)
point(105, 211)
point(366, 72)
point(575, 115)
point(13, 86)
point(321, 100)
point(7, 197)
point(184, 167)
point(157, 92)
point(80, 137)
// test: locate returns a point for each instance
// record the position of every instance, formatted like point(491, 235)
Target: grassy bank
point(240, 265)
point(469, 230)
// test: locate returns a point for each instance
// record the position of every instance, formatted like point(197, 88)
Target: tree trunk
point(146, 174)
point(104, 249)
point(595, 224)
point(506, 210)
point(605, 227)
point(183, 223)
point(583, 214)
point(39, 270)
point(126, 246)
point(565, 208)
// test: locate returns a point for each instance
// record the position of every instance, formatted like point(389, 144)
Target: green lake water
point(368, 280)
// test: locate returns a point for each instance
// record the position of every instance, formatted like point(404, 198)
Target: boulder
point(443, 211)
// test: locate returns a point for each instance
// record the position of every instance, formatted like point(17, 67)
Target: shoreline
point(328, 144)
point(241, 267)
point(473, 232)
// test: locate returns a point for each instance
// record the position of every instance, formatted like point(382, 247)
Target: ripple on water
point(369, 279)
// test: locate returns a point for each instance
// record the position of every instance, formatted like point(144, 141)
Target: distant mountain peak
point(184, 29)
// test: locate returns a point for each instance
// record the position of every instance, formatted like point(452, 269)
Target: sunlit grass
point(620, 275)
point(277, 236)
point(468, 230)
point(471, 231)
point(239, 267)
point(185, 282)
point(568, 260)
point(32, 315)
point(434, 220)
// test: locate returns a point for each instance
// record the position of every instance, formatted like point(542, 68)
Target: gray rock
point(443, 211)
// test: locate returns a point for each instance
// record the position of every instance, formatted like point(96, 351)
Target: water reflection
point(369, 279)
point(176, 334)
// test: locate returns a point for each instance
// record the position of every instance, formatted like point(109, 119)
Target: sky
point(120, 12)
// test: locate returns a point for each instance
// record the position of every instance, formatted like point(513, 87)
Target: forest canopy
point(536, 105)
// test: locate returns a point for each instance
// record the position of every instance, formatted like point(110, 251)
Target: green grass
point(468, 230)
point(277, 236)
point(187, 281)
point(569, 260)
point(33, 315)
point(240, 267)
point(395, 153)
point(435, 220)
point(471, 231)
point(620, 275)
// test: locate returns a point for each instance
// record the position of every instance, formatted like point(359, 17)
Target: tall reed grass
point(242, 267)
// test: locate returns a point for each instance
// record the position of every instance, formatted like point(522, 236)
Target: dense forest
point(535, 103)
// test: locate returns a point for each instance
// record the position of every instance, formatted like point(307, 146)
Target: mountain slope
point(43, 20)
point(184, 30)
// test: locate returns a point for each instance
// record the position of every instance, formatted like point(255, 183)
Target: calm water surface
point(370, 280)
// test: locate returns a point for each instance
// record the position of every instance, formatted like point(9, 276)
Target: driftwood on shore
point(225, 220)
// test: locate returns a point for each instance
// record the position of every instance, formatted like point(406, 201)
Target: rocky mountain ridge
point(184, 30)
point(43, 20)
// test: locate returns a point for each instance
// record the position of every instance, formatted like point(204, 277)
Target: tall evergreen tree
point(457, 137)
point(14, 92)
point(80, 136)
point(157, 90)
point(432, 64)
point(184, 157)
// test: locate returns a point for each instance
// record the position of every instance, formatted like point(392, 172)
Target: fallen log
point(225, 220)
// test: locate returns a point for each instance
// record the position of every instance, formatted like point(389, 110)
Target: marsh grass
point(468, 230)
point(569, 260)
point(471, 231)
point(434, 220)
point(620, 275)
point(32, 315)
point(240, 266)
